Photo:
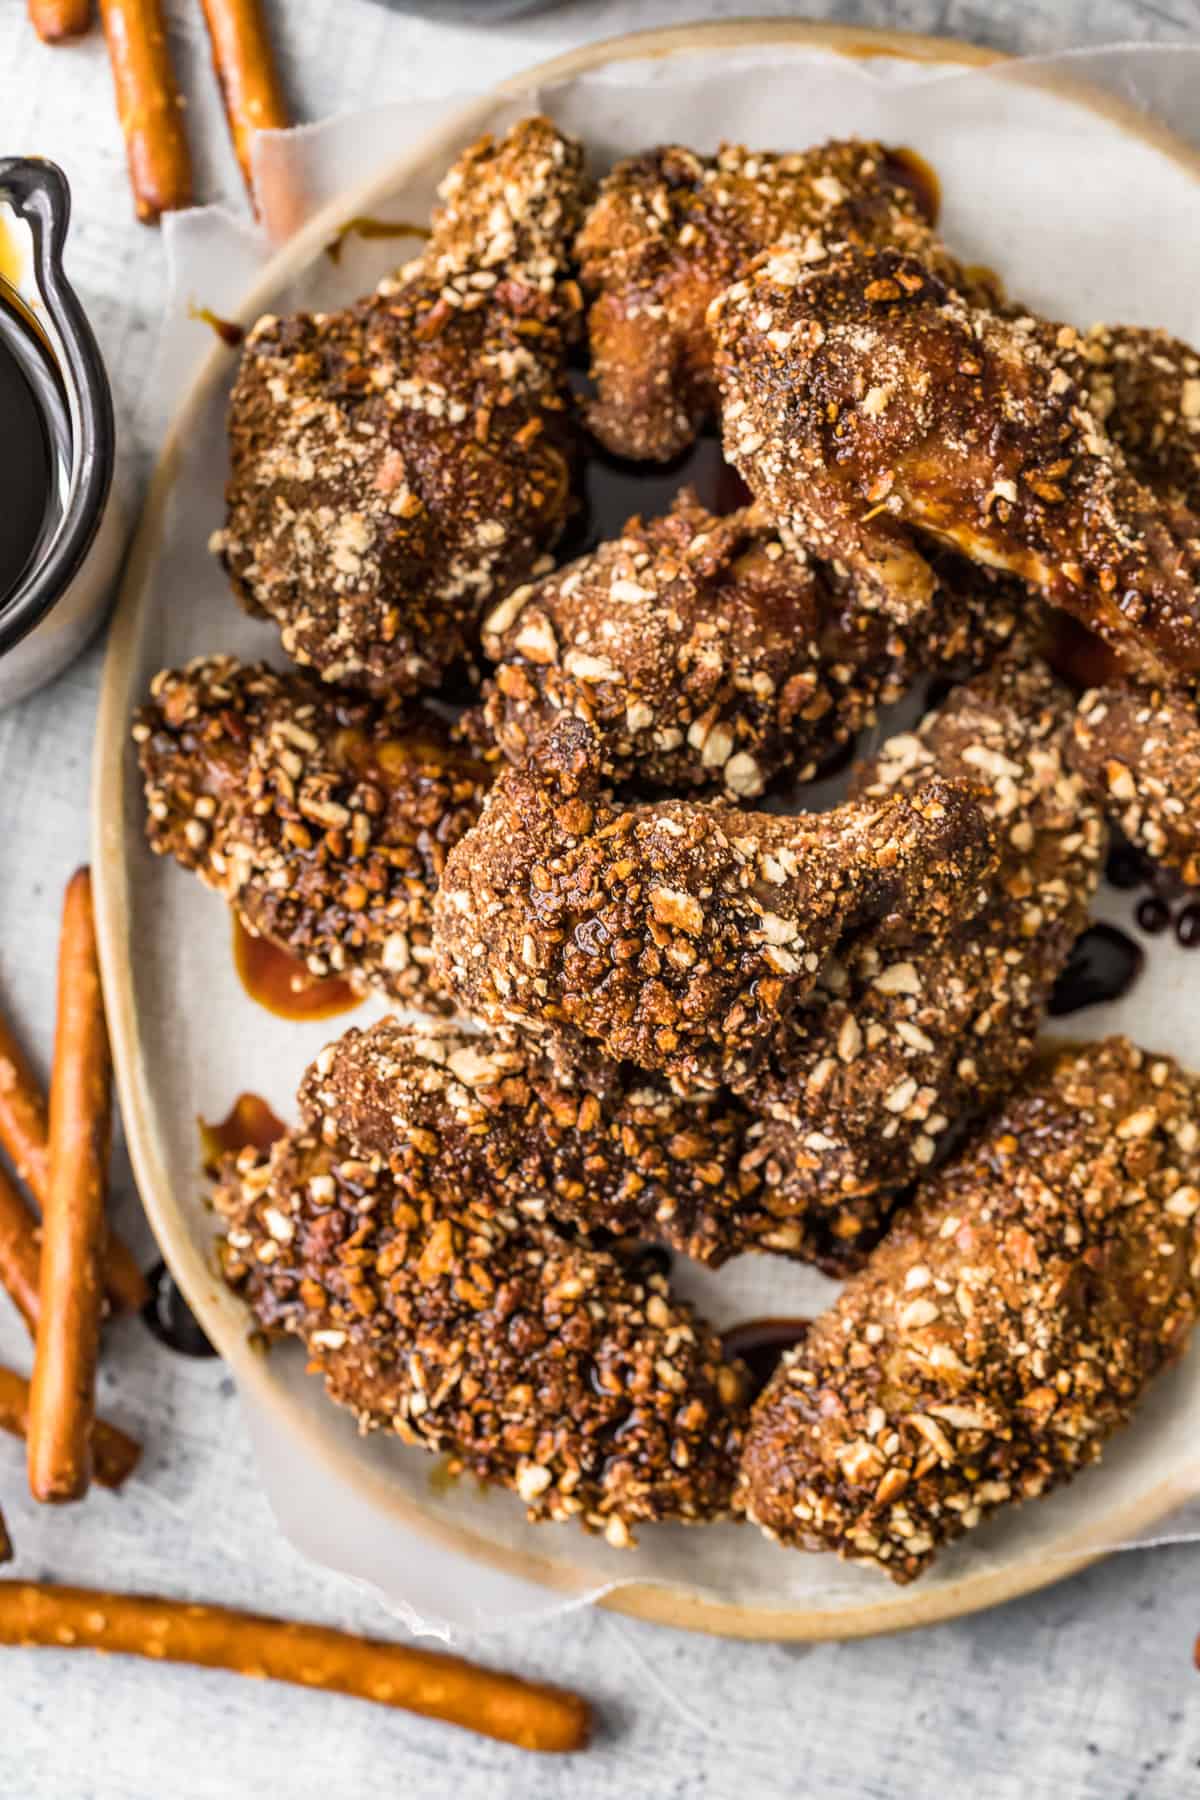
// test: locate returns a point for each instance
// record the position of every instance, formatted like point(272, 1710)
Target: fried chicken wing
point(895, 1049)
point(1144, 388)
point(865, 400)
point(323, 818)
point(397, 464)
point(669, 229)
point(676, 936)
point(700, 650)
point(499, 1116)
point(1138, 749)
point(1008, 1324)
point(533, 1359)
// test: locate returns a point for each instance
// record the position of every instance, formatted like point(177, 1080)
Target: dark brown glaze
point(1009, 1323)
point(537, 1361)
point(864, 399)
point(324, 820)
point(228, 330)
point(760, 1344)
point(169, 1318)
point(398, 464)
point(671, 228)
point(676, 936)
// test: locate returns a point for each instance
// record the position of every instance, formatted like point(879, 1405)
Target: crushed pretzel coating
point(676, 936)
point(534, 1360)
point(325, 819)
point(396, 465)
point(670, 228)
point(1009, 1323)
point(866, 401)
point(1138, 749)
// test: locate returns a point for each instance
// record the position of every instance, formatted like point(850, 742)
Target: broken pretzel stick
point(245, 65)
point(57, 20)
point(527, 1713)
point(114, 1454)
point(62, 1400)
point(149, 106)
point(23, 1135)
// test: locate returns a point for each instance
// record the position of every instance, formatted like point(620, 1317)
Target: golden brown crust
point(533, 1360)
point(323, 818)
point(1008, 1324)
point(677, 936)
point(863, 399)
point(396, 465)
point(670, 229)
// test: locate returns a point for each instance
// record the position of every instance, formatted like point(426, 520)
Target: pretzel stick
point(62, 1401)
point(19, 1252)
point(56, 20)
point(245, 66)
point(114, 1453)
point(527, 1713)
point(23, 1135)
point(148, 106)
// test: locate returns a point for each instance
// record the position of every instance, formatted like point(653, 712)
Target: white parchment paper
point(1053, 173)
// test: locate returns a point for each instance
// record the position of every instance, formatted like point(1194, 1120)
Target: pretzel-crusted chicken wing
point(863, 398)
point(896, 1047)
point(1007, 1325)
point(397, 464)
point(323, 818)
point(670, 228)
point(534, 1359)
point(676, 936)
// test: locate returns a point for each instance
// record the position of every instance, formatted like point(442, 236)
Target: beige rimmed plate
point(1043, 179)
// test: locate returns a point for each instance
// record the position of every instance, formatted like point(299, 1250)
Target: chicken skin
point(1006, 1327)
point(535, 1360)
point(396, 465)
point(676, 936)
point(894, 1050)
point(865, 402)
point(669, 229)
point(324, 819)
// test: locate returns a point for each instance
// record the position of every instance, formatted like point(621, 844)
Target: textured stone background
point(1086, 1690)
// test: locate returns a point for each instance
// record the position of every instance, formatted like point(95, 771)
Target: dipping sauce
point(283, 984)
point(170, 1319)
point(760, 1343)
point(910, 168)
point(249, 1124)
point(1103, 965)
point(35, 440)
